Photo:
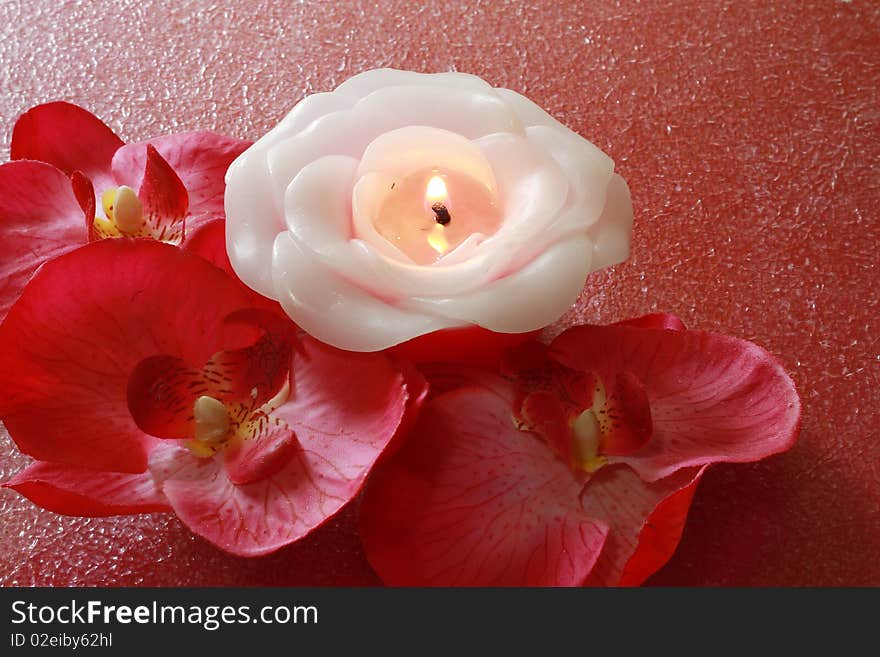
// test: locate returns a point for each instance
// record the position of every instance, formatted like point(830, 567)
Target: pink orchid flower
point(577, 467)
point(143, 378)
point(73, 181)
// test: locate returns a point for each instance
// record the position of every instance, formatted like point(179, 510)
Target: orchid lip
point(585, 420)
point(617, 423)
point(217, 426)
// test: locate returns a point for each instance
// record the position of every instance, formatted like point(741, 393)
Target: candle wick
point(442, 213)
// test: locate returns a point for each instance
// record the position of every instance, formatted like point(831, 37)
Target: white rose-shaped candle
point(403, 203)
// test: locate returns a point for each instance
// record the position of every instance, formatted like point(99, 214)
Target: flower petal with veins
point(666, 321)
point(163, 389)
point(471, 500)
point(69, 138)
point(83, 492)
point(647, 518)
point(261, 455)
point(164, 198)
point(200, 161)
point(476, 497)
point(208, 241)
point(40, 218)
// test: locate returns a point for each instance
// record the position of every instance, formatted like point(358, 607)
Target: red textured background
point(748, 132)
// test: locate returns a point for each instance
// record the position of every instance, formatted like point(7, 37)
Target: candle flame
point(437, 240)
point(436, 191)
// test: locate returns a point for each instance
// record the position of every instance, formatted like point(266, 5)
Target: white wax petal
point(302, 115)
point(403, 155)
point(612, 232)
point(531, 186)
point(530, 113)
point(462, 252)
point(535, 188)
point(332, 134)
point(317, 213)
point(465, 112)
point(587, 168)
point(530, 298)
point(391, 279)
point(251, 199)
point(369, 81)
point(401, 152)
point(317, 204)
point(255, 202)
point(337, 312)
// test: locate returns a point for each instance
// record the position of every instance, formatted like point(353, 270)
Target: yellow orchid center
point(212, 426)
point(218, 426)
point(123, 214)
point(586, 437)
point(615, 424)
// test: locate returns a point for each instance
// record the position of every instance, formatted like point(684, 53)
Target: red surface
point(748, 133)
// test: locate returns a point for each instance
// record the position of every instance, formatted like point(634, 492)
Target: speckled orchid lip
point(328, 213)
point(225, 407)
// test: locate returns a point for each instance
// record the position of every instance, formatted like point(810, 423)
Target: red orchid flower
point(73, 181)
point(580, 465)
point(142, 378)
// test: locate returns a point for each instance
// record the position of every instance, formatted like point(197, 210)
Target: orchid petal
point(67, 137)
point(83, 492)
point(40, 218)
point(646, 521)
point(164, 198)
point(163, 389)
point(417, 389)
point(345, 408)
point(199, 159)
point(656, 321)
point(262, 455)
point(471, 500)
point(208, 240)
